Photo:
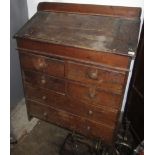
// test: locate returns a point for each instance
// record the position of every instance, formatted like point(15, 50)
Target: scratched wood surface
point(95, 32)
point(75, 62)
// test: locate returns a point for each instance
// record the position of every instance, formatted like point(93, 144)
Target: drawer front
point(43, 64)
point(70, 121)
point(93, 95)
point(109, 80)
point(40, 80)
point(106, 116)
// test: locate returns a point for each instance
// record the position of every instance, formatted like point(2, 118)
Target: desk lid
point(96, 32)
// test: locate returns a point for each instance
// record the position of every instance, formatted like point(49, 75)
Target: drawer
point(40, 80)
point(108, 80)
point(105, 116)
point(93, 95)
point(70, 121)
point(43, 64)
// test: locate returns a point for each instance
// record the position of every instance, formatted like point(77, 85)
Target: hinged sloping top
point(95, 32)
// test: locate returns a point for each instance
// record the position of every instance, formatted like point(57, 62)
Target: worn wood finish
point(73, 122)
point(98, 33)
point(50, 66)
point(75, 61)
point(111, 80)
point(108, 59)
point(65, 103)
point(126, 12)
point(93, 95)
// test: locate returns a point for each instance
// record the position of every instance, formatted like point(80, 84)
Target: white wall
point(32, 8)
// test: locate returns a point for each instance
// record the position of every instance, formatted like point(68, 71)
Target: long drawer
point(50, 66)
point(106, 79)
point(70, 121)
point(104, 115)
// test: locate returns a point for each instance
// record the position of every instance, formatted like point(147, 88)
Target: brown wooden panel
point(129, 12)
point(103, 115)
point(109, 80)
point(98, 33)
point(93, 95)
point(50, 66)
point(37, 79)
point(70, 121)
point(105, 58)
point(75, 60)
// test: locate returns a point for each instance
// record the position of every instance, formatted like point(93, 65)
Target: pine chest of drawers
point(75, 62)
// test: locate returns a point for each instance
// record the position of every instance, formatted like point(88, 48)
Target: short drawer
point(106, 116)
point(36, 79)
point(93, 95)
point(50, 66)
point(106, 79)
point(70, 121)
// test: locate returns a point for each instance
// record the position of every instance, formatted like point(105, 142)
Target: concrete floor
point(44, 139)
point(20, 125)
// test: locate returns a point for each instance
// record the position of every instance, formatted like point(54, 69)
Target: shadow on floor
point(47, 139)
point(44, 139)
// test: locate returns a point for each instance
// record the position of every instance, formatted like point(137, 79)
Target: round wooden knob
point(90, 112)
point(44, 97)
point(45, 114)
point(41, 64)
point(93, 75)
point(92, 95)
point(88, 128)
point(43, 81)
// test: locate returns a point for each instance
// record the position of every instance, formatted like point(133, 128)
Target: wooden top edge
point(121, 11)
point(68, 46)
point(116, 69)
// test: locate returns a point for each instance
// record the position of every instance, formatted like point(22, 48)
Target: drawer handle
point(45, 114)
point(43, 81)
point(92, 93)
point(88, 128)
point(90, 112)
point(93, 75)
point(41, 64)
point(44, 97)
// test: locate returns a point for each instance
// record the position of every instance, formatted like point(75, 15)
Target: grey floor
point(44, 139)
